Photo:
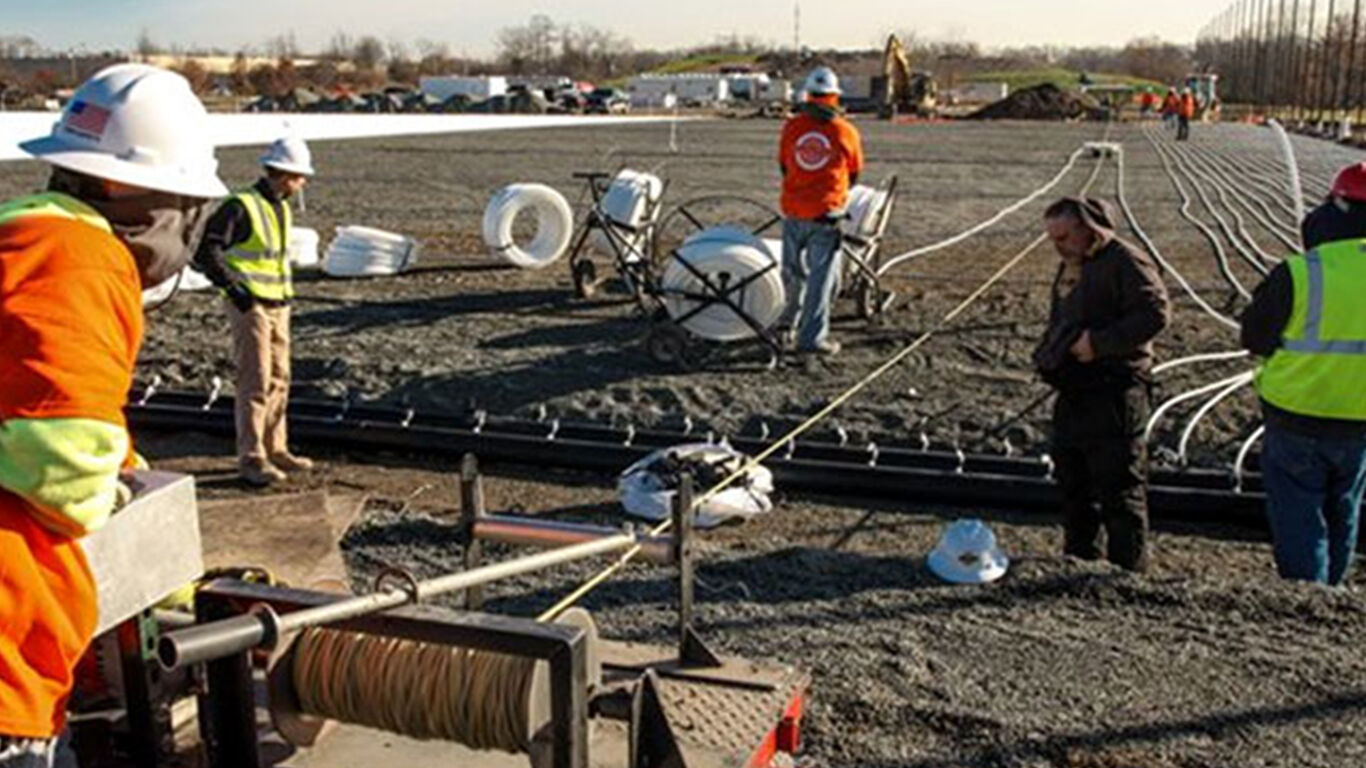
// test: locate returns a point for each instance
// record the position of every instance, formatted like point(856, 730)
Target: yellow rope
point(421, 690)
point(844, 397)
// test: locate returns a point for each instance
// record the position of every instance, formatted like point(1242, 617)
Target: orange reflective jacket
point(70, 326)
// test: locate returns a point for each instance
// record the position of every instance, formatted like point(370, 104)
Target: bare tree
point(368, 53)
point(284, 46)
point(146, 46)
point(198, 77)
point(340, 47)
point(530, 47)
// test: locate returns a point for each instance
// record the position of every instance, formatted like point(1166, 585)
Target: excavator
point(905, 91)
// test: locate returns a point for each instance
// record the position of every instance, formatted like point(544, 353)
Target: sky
point(469, 26)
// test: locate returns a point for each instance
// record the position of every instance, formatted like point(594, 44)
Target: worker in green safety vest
point(1308, 320)
point(245, 253)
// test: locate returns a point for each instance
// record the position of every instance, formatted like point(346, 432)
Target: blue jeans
point(811, 258)
point(1313, 503)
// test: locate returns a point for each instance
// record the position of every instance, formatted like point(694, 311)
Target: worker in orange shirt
point(820, 155)
point(1171, 104)
point(1184, 114)
point(132, 173)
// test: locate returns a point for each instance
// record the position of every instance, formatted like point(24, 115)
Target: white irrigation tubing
point(1157, 255)
point(1250, 179)
point(1176, 400)
point(1004, 212)
point(1236, 239)
point(1229, 186)
point(1293, 169)
point(1220, 256)
point(1205, 410)
point(1201, 358)
point(1287, 234)
point(1242, 457)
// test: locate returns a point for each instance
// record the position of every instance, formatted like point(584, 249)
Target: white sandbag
point(303, 247)
point(186, 280)
point(358, 251)
point(628, 201)
point(727, 256)
point(554, 225)
point(647, 488)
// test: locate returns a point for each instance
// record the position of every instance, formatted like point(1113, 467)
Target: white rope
point(1004, 212)
point(1242, 457)
point(1183, 397)
point(1204, 411)
point(1292, 169)
point(1201, 358)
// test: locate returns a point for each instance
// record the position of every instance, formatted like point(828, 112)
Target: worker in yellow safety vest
point(245, 252)
point(1308, 321)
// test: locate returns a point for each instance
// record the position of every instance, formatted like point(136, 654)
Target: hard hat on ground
point(822, 82)
point(967, 554)
point(1350, 183)
point(138, 125)
point(289, 154)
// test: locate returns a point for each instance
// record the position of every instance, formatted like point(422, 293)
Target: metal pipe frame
point(227, 709)
point(521, 531)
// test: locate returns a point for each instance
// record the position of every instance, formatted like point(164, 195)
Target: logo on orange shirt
point(813, 151)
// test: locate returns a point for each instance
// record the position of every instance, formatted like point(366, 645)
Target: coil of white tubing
point(358, 251)
point(732, 255)
point(628, 200)
point(554, 225)
point(864, 207)
point(303, 247)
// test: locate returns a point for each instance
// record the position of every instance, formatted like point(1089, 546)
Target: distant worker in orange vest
point(820, 156)
point(1147, 101)
point(132, 173)
point(1184, 115)
point(1171, 104)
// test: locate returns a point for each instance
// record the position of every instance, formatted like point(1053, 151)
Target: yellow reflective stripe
point(67, 469)
point(53, 204)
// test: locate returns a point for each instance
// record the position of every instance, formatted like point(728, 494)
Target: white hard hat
point(967, 554)
point(822, 82)
point(139, 125)
point(289, 154)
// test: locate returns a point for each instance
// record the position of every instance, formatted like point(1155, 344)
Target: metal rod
point(471, 510)
point(521, 531)
point(222, 638)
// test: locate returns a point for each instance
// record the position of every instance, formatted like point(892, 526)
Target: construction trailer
point(480, 88)
point(698, 89)
point(978, 93)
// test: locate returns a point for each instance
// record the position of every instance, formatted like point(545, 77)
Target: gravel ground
point(459, 330)
point(1208, 661)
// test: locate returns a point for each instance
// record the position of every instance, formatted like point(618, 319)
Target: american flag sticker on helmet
point(86, 119)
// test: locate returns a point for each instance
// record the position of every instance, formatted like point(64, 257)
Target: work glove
point(240, 297)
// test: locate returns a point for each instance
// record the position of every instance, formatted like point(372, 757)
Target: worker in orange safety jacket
point(132, 173)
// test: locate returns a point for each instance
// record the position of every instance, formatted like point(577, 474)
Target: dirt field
point(460, 331)
point(1209, 661)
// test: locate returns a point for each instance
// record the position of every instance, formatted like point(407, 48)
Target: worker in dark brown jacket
point(1108, 304)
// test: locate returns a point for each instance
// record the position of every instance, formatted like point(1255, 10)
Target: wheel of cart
point(718, 282)
point(868, 214)
point(620, 222)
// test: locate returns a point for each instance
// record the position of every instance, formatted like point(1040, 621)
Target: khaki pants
point(260, 346)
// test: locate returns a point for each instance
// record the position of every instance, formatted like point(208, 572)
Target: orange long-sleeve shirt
point(70, 327)
point(818, 158)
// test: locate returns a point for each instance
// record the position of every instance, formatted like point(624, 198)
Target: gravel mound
point(1042, 102)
